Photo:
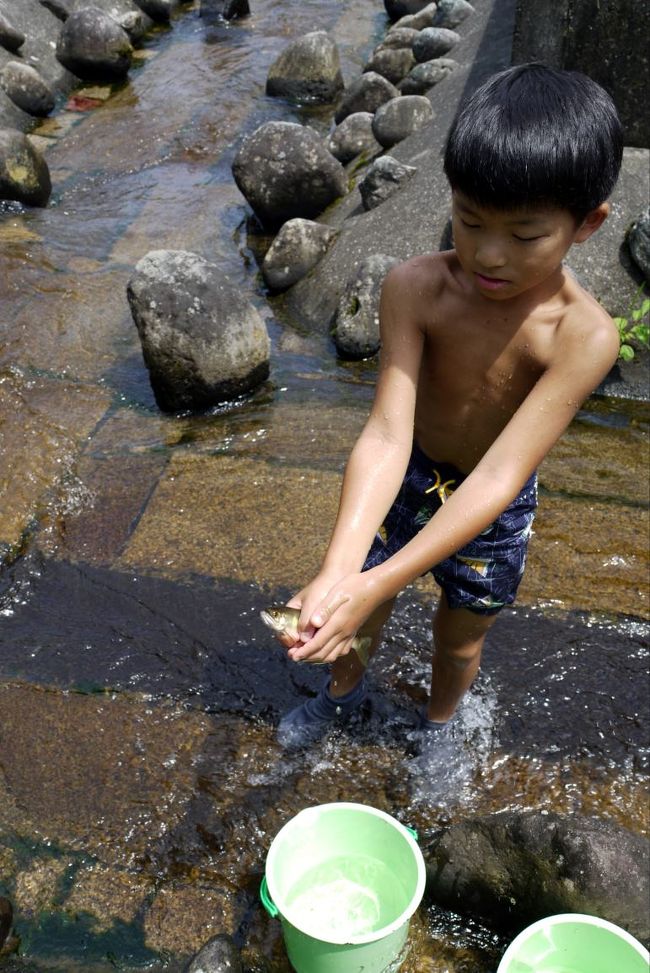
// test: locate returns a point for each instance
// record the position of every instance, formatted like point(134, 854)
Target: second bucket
point(344, 880)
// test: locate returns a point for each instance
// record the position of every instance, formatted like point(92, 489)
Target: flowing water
point(140, 780)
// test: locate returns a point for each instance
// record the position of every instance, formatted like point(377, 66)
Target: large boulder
point(515, 867)
point(356, 325)
point(297, 248)
point(24, 173)
point(451, 13)
point(397, 119)
point(383, 178)
point(26, 88)
point(434, 42)
point(202, 342)
point(308, 70)
point(366, 93)
point(219, 955)
point(94, 47)
point(284, 170)
point(398, 37)
point(125, 12)
point(353, 137)
point(392, 63)
point(427, 74)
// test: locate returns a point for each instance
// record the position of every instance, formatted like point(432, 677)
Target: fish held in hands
point(284, 621)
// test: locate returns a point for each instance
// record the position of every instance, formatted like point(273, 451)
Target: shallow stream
point(140, 780)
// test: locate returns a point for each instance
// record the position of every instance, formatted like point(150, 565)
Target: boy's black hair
point(532, 135)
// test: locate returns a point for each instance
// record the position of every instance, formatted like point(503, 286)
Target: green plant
point(635, 327)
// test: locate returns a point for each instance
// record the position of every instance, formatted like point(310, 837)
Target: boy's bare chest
point(472, 380)
point(474, 360)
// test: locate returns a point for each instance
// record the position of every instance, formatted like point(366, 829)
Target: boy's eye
point(470, 226)
point(527, 239)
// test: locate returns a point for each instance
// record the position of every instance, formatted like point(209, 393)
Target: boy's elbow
point(501, 485)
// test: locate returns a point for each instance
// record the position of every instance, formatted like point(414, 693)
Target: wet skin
point(488, 350)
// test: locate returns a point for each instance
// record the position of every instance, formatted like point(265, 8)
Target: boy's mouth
point(490, 283)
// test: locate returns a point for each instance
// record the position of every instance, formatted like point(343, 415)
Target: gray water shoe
point(308, 722)
point(441, 767)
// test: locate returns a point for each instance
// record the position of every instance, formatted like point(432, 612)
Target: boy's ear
point(592, 222)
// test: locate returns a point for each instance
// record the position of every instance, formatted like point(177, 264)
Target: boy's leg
point(347, 670)
point(458, 636)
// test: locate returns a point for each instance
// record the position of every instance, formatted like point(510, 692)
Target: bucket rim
point(564, 918)
point(385, 931)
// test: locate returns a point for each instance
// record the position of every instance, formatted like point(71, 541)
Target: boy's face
point(507, 252)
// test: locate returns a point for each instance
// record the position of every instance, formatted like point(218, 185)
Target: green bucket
point(345, 880)
point(574, 943)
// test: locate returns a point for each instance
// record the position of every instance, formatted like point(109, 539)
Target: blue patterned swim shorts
point(482, 576)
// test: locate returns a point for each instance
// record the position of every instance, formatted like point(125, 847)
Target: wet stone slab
point(204, 645)
point(279, 431)
point(82, 334)
point(115, 492)
point(249, 520)
point(204, 202)
point(589, 555)
point(182, 918)
point(108, 895)
point(100, 773)
point(238, 519)
point(603, 455)
point(43, 424)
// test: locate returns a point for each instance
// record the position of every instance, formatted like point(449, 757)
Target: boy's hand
point(337, 618)
point(307, 601)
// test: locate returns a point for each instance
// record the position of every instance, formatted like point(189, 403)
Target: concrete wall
point(609, 40)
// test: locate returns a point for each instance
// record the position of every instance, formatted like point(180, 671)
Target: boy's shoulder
point(426, 273)
point(583, 318)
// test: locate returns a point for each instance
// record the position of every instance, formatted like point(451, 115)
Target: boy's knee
point(458, 655)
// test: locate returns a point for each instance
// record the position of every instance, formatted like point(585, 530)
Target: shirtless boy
point(487, 352)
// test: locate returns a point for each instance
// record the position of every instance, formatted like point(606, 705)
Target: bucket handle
point(411, 831)
point(267, 901)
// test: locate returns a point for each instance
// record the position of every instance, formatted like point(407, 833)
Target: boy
point(488, 350)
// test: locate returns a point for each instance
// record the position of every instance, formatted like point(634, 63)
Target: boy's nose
point(490, 256)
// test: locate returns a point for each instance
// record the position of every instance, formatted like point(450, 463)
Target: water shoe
point(441, 767)
point(307, 722)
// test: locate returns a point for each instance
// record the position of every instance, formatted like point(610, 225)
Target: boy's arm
point(583, 355)
point(377, 463)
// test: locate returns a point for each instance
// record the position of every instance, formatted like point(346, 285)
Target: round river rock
point(202, 342)
point(24, 173)
point(284, 170)
point(308, 70)
point(94, 47)
point(26, 88)
point(400, 117)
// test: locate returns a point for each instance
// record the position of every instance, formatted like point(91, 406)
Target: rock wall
point(606, 39)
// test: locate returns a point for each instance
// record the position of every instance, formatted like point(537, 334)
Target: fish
point(284, 621)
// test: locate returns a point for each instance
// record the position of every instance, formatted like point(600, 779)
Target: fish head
point(279, 618)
